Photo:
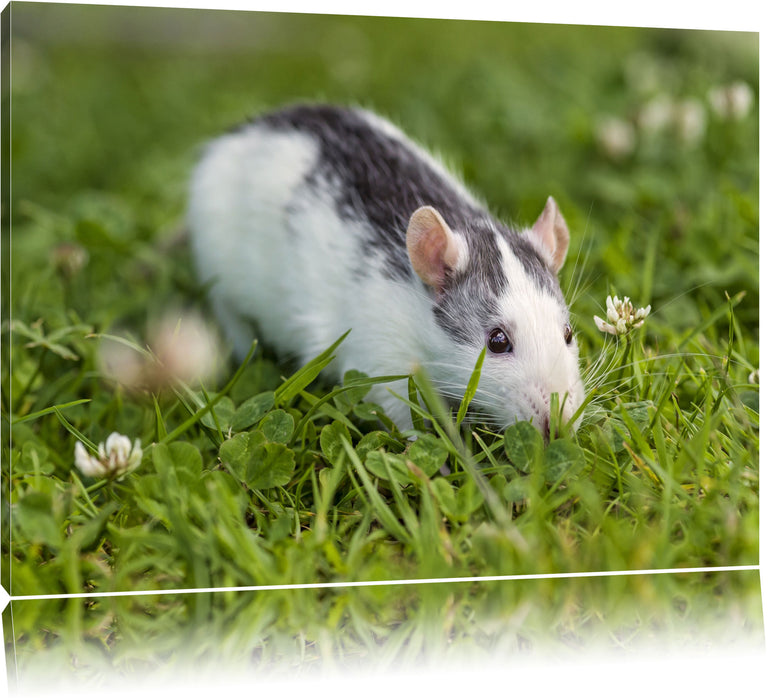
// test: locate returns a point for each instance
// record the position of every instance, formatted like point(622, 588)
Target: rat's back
point(298, 223)
point(315, 220)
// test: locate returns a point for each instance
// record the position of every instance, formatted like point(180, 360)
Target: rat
point(315, 219)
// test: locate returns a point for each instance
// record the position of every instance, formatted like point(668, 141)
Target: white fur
point(294, 275)
point(541, 363)
point(288, 273)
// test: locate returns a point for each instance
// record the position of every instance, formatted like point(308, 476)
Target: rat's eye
point(498, 342)
point(568, 335)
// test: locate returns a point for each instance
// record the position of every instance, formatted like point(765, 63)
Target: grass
point(269, 476)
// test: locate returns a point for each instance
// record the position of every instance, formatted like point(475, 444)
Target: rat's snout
point(541, 407)
point(544, 424)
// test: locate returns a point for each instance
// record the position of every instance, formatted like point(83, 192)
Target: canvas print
point(294, 299)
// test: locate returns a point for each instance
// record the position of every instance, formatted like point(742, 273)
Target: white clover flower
point(621, 316)
point(685, 118)
point(186, 347)
point(116, 457)
point(690, 120)
point(615, 137)
point(121, 363)
point(656, 115)
point(731, 101)
point(69, 258)
point(181, 347)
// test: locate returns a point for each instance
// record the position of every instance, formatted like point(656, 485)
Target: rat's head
point(498, 288)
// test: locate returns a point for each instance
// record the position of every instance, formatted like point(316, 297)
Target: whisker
point(613, 378)
point(680, 295)
point(582, 244)
point(577, 287)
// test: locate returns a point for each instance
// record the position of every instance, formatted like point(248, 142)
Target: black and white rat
point(316, 219)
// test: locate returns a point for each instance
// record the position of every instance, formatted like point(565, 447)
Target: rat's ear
point(551, 233)
point(433, 247)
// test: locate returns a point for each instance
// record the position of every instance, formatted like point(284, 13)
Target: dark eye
point(498, 342)
point(568, 335)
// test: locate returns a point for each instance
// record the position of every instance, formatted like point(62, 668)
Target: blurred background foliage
point(110, 106)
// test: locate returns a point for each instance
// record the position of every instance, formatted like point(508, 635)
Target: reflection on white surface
point(450, 635)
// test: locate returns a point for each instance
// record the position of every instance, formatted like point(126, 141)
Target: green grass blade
point(711, 320)
point(386, 517)
point(161, 428)
point(326, 399)
point(50, 409)
point(194, 418)
point(74, 431)
point(416, 413)
point(304, 376)
point(471, 387)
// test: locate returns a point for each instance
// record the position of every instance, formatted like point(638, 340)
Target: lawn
point(266, 475)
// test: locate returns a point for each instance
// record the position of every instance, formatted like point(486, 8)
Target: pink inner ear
point(430, 257)
point(431, 246)
point(552, 234)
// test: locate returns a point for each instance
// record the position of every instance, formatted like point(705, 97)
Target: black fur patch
point(377, 177)
point(468, 304)
point(533, 263)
